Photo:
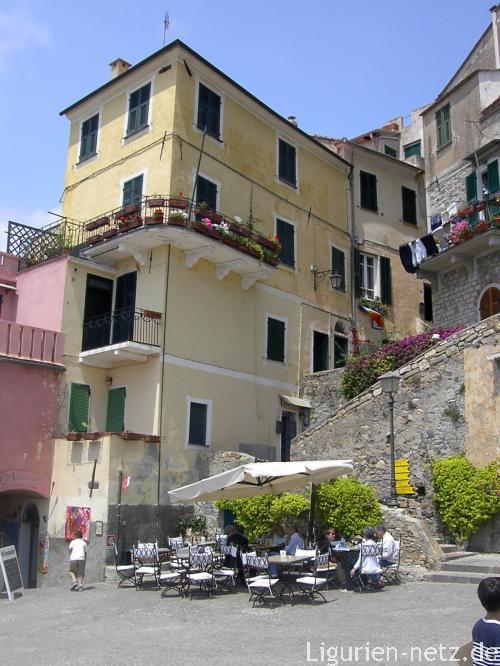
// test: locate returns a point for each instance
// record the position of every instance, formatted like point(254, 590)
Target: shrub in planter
point(466, 496)
point(348, 505)
point(189, 521)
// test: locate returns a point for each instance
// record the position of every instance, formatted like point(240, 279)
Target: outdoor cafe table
point(288, 563)
point(346, 557)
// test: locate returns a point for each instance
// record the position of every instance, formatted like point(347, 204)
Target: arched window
point(489, 304)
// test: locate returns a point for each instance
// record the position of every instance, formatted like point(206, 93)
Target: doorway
point(97, 312)
point(320, 351)
point(288, 432)
point(123, 329)
point(28, 545)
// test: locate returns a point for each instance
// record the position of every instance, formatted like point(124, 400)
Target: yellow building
point(184, 335)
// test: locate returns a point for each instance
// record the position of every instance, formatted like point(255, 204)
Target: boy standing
point(77, 559)
point(486, 631)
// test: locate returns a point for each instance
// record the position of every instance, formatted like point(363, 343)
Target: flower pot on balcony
point(482, 226)
point(130, 436)
point(96, 224)
point(123, 228)
point(135, 224)
point(92, 436)
point(74, 436)
point(132, 208)
point(156, 203)
point(206, 230)
point(272, 261)
point(238, 229)
point(234, 243)
point(153, 220)
point(153, 439)
point(215, 217)
point(93, 240)
point(176, 221)
point(178, 203)
point(110, 233)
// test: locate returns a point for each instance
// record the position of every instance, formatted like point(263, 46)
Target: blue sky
point(340, 67)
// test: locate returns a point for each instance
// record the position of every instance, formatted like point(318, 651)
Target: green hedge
point(348, 505)
point(466, 496)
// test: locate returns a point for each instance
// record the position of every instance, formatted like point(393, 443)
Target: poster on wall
point(77, 518)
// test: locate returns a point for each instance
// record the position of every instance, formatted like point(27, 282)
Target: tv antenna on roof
point(166, 23)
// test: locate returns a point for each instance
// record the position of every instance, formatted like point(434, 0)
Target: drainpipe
point(494, 26)
point(351, 224)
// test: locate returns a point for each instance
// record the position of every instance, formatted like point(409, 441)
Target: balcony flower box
point(239, 229)
point(156, 218)
point(132, 208)
point(74, 436)
point(481, 227)
point(152, 439)
point(110, 233)
point(156, 203)
point(177, 203)
point(93, 240)
point(176, 221)
point(151, 314)
point(96, 224)
point(130, 436)
point(207, 229)
point(92, 436)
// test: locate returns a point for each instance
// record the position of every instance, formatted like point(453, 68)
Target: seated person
point(326, 540)
point(235, 537)
point(370, 567)
point(279, 536)
point(295, 540)
point(389, 546)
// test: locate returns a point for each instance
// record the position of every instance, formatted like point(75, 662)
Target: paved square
point(104, 625)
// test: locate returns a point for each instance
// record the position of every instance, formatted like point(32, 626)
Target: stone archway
point(489, 303)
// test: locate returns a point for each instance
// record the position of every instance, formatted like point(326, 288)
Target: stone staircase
point(464, 566)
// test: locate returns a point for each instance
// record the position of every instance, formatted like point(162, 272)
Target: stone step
point(454, 577)
point(486, 570)
point(449, 547)
point(458, 555)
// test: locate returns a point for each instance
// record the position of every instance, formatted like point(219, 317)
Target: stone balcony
point(31, 344)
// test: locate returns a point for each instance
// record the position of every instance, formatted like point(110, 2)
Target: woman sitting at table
point(295, 540)
point(370, 567)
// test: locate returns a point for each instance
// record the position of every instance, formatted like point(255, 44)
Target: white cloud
point(18, 31)
point(32, 218)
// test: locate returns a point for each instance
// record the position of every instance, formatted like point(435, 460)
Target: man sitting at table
point(389, 546)
point(295, 540)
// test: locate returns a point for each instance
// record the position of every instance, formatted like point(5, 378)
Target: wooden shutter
point(338, 265)
point(275, 340)
point(493, 179)
point(357, 271)
point(286, 235)
point(132, 190)
point(368, 190)
point(79, 407)
point(471, 186)
point(409, 205)
point(198, 423)
point(385, 281)
point(287, 162)
point(115, 417)
point(206, 192)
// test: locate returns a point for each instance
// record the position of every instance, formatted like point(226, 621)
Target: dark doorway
point(340, 351)
point(288, 432)
point(428, 316)
point(97, 312)
point(123, 328)
point(29, 529)
point(320, 351)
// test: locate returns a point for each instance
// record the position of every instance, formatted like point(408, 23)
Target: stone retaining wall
point(323, 390)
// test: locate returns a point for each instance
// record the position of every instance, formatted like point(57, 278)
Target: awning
point(296, 402)
point(4, 285)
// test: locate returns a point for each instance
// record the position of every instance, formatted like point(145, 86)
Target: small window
point(368, 187)
point(94, 452)
point(286, 234)
point(76, 453)
point(209, 106)
point(409, 205)
point(198, 421)
point(390, 151)
point(338, 265)
point(385, 280)
point(320, 351)
point(368, 266)
point(88, 143)
point(427, 304)
point(287, 163)
point(115, 416)
point(443, 126)
point(132, 190)
point(79, 407)
point(206, 192)
point(489, 304)
point(138, 109)
point(275, 340)
point(412, 149)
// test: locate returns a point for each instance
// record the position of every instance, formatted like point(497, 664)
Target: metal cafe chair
point(390, 573)
point(260, 583)
point(126, 572)
point(200, 572)
point(312, 585)
point(145, 558)
point(226, 573)
point(360, 580)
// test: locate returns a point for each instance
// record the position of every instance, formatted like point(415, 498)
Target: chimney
point(293, 121)
point(118, 67)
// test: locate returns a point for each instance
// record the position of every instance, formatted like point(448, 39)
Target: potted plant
point(178, 202)
point(156, 218)
point(460, 232)
point(481, 226)
point(177, 217)
point(96, 224)
point(156, 202)
point(201, 209)
point(93, 240)
point(109, 233)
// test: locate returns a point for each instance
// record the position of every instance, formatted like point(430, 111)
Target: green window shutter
point(357, 271)
point(79, 407)
point(286, 235)
point(471, 187)
point(115, 417)
point(493, 179)
point(198, 423)
point(412, 149)
point(206, 192)
point(385, 281)
point(368, 187)
point(287, 163)
point(275, 340)
point(209, 104)
point(390, 151)
point(132, 190)
point(443, 126)
point(138, 108)
point(338, 265)
point(409, 205)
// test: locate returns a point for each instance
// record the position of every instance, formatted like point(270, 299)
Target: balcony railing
point(34, 246)
point(124, 325)
point(474, 219)
point(30, 343)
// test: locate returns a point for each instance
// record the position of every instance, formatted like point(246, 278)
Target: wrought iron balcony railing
point(124, 325)
point(34, 246)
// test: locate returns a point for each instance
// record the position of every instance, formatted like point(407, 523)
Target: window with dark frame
point(443, 126)
point(412, 149)
point(368, 190)
point(286, 234)
point(409, 205)
point(198, 412)
point(287, 163)
point(79, 407)
point(132, 190)
point(275, 340)
point(206, 192)
point(338, 265)
point(320, 351)
point(138, 109)
point(88, 143)
point(390, 151)
point(209, 107)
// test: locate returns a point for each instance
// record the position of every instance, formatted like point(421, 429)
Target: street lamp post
point(390, 384)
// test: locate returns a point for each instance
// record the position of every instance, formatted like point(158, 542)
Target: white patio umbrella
point(260, 479)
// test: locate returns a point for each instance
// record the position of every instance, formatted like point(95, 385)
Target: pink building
point(31, 350)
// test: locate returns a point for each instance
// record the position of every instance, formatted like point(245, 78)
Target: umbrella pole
point(312, 509)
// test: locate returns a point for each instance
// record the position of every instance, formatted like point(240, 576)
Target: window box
point(96, 224)
point(176, 221)
point(110, 233)
point(74, 436)
point(92, 436)
point(131, 436)
point(239, 229)
point(93, 240)
point(153, 220)
point(207, 230)
point(153, 439)
point(178, 203)
point(156, 203)
point(151, 314)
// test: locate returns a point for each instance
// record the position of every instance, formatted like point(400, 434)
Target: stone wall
point(418, 546)
point(429, 419)
point(323, 391)
point(457, 299)
point(448, 188)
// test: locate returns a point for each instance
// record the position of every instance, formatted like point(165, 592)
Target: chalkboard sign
point(10, 570)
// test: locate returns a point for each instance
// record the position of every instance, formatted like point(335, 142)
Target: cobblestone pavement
point(104, 625)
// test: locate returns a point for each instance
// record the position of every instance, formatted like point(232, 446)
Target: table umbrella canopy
point(260, 479)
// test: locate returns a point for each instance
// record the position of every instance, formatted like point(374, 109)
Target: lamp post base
point(392, 502)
